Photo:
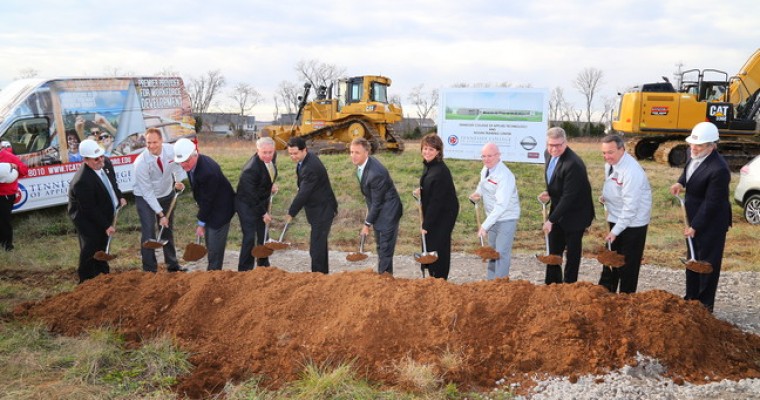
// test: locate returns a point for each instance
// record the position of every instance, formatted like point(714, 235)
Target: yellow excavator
point(349, 108)
point(660, 116)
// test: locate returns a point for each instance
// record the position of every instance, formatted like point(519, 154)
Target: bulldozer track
point(371, 134)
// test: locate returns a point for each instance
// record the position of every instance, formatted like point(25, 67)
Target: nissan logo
point(528, 143)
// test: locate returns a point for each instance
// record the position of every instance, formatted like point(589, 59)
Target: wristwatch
point(367, 223)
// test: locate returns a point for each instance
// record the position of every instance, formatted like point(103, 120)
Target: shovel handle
point(362, 238)
point(284, 229)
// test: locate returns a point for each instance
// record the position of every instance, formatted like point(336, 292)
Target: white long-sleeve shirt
point(499, 194)
point(627, 195)
point(150, 183)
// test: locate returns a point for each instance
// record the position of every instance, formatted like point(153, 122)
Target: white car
point(747, 193)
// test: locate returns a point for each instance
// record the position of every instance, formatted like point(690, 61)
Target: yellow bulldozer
point(660, 116)
point(349, 108)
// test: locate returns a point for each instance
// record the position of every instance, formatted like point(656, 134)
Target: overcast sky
point(541, 43)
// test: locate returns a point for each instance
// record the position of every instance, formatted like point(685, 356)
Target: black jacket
point(213, 193)
point(570, 191)
point(383, 203)
point(440, 205)
point(315, 194)
point(254, 187)
point(90, 206)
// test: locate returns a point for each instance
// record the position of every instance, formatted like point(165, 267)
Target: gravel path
point(738, 302)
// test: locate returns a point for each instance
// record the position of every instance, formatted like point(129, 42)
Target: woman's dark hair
point(434, 141)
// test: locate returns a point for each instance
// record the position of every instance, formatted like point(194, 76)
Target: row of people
point(626, 194)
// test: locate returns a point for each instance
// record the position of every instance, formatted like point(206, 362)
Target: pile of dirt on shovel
point(270, 323)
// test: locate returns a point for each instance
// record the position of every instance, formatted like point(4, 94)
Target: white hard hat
point(703, 132)
point(90, 149)
point(5, 144)
point(8, 174)
point(183, 149)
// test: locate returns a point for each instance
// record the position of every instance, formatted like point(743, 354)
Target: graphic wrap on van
point(46, 120)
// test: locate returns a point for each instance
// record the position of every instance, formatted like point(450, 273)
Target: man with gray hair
point(627, 196)
point(706, 179)
point(498, 189)
point(255, 188)
point(571, 211)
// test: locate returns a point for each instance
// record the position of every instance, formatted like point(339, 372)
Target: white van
point(44, 120)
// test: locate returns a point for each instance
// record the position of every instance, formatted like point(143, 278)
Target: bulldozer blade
point(549, 259)
point(101, 255)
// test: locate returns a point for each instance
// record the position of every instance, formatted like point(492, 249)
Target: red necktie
point(160, 164)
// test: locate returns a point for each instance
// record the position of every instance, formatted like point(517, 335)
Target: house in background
point(227, 124)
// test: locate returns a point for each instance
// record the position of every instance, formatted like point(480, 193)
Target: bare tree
point(556, 103)
point(245, 97)
point(587, 82)
point(276, 112)
point(25, 73)
point(204, 89)
point(318, 73)
point(109, 70)
point(288, 93)
point(609, 104)
point(426, 102)
point(168, 71)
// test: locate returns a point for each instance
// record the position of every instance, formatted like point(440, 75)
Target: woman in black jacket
point(440, 205)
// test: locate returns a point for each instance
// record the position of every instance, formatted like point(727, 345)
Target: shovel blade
point(194, 252)
point(356, 257)
point(276, 245)
point(700, 267)
point(610, 258)
point(549, 259)
point(154, 244)
point(261, 251)
point(428, 257)
point(103, 256)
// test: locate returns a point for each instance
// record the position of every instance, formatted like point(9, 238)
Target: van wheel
point(752, 209)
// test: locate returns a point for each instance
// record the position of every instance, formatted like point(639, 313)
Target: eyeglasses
point(555, 144)
point(103, 137)
point(484, 156)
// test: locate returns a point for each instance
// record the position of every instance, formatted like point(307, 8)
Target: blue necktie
point(550, 170)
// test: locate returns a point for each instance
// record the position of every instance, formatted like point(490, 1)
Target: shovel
point(157, 243)
point(606, 256)
point(484, 252)
point(426, 257)
point(610, 258)
point(360, 255)
point(549, 259)
point(101, 255)
point(261, 251)
point(278, 244)
point(700, 267)
point(194, 251)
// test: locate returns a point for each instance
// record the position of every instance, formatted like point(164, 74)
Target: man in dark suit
point(316, 196)
point(383, 203)
point(94, 196)
point(214, 195)
point(255, 188)
point(572, 209)
point(706, 179)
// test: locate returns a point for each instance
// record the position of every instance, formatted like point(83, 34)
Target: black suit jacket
point(707, 195)
point(383, 203)
point(213, 193)
point(90, 206)
point(315, 194)
point(254, 187)
point(570, 191)
point(440, 205)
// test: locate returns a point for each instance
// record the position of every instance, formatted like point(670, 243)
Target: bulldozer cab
point(362, 89)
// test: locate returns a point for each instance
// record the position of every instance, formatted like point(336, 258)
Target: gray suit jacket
point(383, 203)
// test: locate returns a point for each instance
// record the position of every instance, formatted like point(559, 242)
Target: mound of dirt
point(270, 322)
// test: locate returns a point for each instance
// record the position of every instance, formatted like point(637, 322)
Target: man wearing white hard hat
point(94, 196)
point(11, 168)
point(214, 195)
point(706, 180)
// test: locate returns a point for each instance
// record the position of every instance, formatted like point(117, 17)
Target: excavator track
point(674, 153)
